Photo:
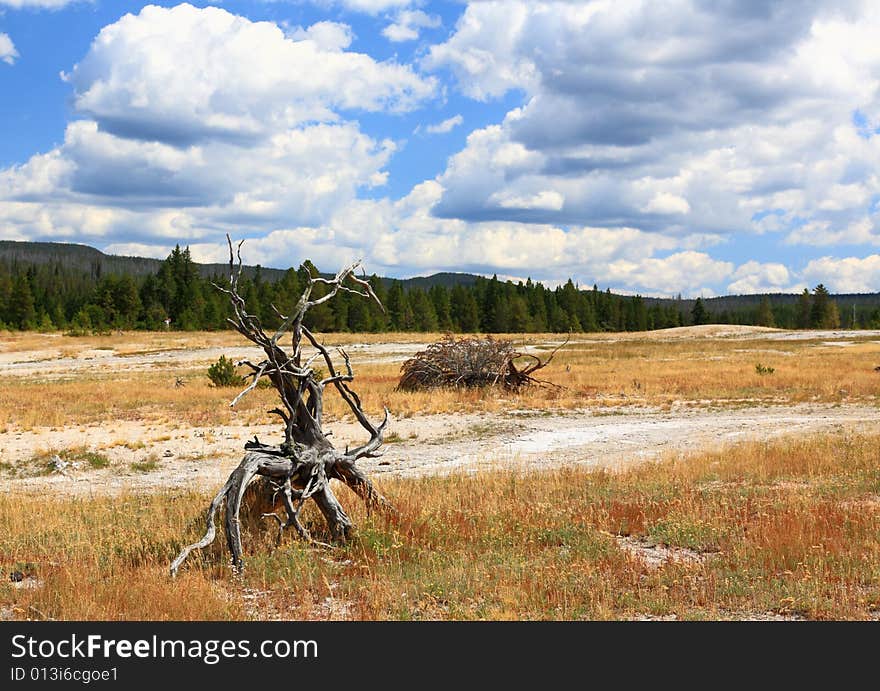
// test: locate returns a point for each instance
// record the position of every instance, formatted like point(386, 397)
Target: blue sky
point(659, 147)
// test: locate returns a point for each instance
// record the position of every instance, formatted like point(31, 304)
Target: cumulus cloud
point(847, 275)
point(691, 273)
point(646, 134)
point(403, 237)
point(327, 35)
point(243, 80)
point(822, 233)
point(672, 116)
point(249, 136)
point(756, 277)
point(446, 126)
point(546, 199)
point(409, 24)
point(8, 54)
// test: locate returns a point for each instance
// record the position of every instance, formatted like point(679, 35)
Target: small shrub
point(44, 463)
point(222, 373)
point(762, 369)
point(94, 460)
point(148, 465)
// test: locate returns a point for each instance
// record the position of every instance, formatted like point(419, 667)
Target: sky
point(658, 147)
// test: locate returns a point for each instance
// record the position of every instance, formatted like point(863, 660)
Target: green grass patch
point(145, 466)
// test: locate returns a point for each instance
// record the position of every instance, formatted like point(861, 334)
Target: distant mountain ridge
point(730, 303)
point(94, 261)
point(86, 258)
point(51, 285)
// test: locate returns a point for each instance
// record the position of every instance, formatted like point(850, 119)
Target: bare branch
point(299, 468)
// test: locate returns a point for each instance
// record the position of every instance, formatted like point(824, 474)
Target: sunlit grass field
point(593, 371)
point(783, 529)
point(787, 529)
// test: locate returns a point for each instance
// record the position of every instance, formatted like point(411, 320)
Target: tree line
point(52, 296)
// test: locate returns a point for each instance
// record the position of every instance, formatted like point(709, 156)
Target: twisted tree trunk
point(301, 467)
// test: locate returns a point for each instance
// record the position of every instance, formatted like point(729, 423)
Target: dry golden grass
point(596, 370)
point(138, 342)
point(790, 528)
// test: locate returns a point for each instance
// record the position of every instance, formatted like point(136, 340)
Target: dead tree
point(301, 467)
point(472, 362)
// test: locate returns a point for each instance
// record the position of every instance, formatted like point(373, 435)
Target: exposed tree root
point(301, 467)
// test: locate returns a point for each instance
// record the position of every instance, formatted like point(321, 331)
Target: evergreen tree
point(424, 318)
point(21, 313)
point(804, 310)
point(395, 305)
point(537, 306)
point(586, 313)
point(640, 314)
point(340, 307)
point(5, 297)
point(489, 319)
point(378, 315)
point(442, 307)
point(698, 313)
point(824, 313)
point(519, 315)
point(287, 292)
point(765, 314)
point(559, 320)
point(465, 312)
point(318, 318)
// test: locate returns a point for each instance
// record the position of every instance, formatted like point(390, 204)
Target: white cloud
point(688, 272)
point(299, 175)
point(403, 238)
point(408, 25)
point(8, 54)
point(545, 199)
point(446, 126)
point(247, 138)
point(139, 249)
point(648, 133)
point(665, 203)
point(326, 35)
point(755, 277)
point(671, 117)
point(861, 231)
point(243, 79)
point(485, 53)
point(847, 275)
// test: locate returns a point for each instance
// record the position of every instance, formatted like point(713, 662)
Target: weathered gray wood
point(304, 462)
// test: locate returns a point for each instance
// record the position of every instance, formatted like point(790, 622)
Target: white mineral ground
point(613, 438)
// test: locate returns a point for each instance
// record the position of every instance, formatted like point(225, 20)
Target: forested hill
point(94, 262)
point(735, 303)
point(81, 290)
point(78, 257)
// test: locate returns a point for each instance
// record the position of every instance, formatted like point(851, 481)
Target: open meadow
point(707, 472)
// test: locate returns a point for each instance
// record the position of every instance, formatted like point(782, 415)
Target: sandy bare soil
point(150, 456)
point(201, 458)
point(49, 364)
point(61, 357)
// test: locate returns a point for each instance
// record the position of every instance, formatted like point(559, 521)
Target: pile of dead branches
point(471, 362)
